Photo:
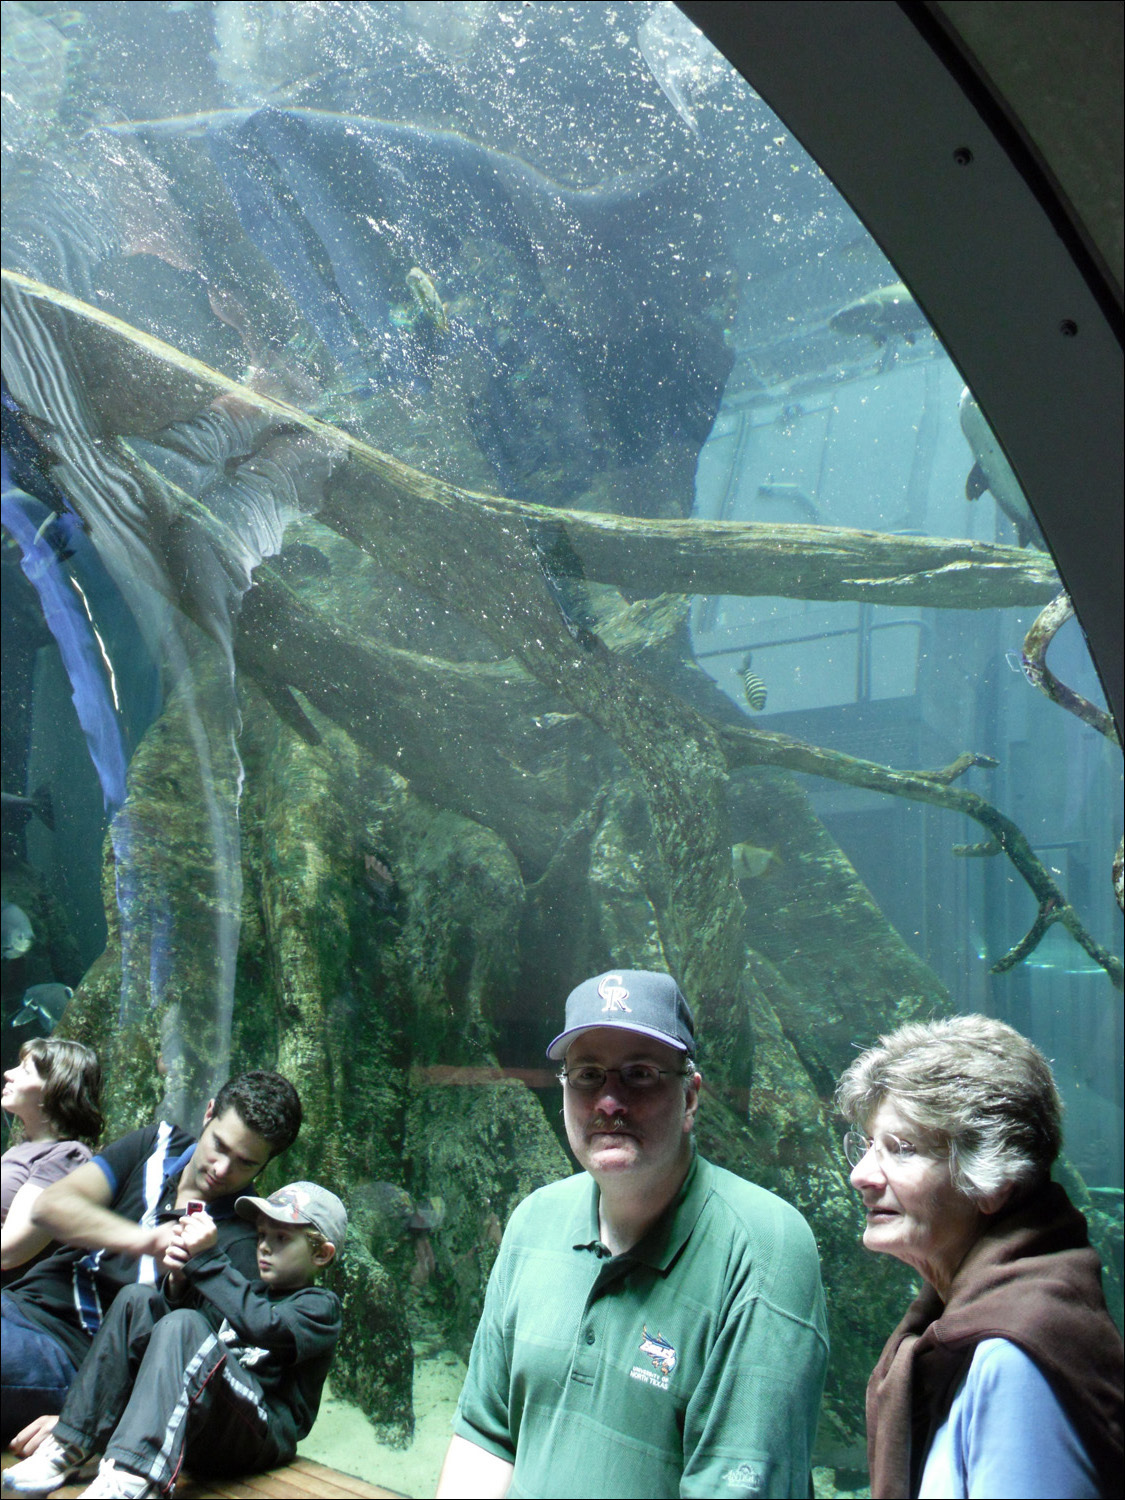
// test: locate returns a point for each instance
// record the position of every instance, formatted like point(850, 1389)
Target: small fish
point(44, 1003)
point(425, 294)
point(752, 685)
point(377, 871)
point(748, 861)
point(888, 312)
point(18, 933)
point(38, 803)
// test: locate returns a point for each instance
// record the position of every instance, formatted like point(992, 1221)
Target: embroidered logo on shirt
point(614, 993)
point(662, 1356)
point(747, 1477)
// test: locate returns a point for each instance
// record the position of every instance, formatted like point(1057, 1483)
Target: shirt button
point(589, 1338)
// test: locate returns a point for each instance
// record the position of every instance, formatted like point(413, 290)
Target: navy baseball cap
point(632, 999)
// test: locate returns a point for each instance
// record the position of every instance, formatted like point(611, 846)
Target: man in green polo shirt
point(654, 1325)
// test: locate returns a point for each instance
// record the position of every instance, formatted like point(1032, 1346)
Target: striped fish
point(753, 686)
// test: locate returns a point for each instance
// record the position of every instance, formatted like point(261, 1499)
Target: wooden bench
point(300, 1480)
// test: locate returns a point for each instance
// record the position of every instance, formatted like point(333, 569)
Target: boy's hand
point(194, 1232)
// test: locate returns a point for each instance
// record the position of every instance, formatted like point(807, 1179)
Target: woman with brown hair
point(53, 1092)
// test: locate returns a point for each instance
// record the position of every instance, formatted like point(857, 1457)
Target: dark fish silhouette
point(44, 1003)
point(38, 804)
point(551, 328)
point(886, 313)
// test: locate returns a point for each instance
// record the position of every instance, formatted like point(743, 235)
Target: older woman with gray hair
point(1005, 1376)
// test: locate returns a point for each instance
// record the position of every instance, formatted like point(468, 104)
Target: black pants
point(159, 1388)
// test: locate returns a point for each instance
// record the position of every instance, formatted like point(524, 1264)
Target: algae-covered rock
point(455, 957)
point(847, 974)
point(482, 1147)
point(374, 1361)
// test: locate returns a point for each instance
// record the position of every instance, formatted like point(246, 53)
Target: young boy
point(215, 1370)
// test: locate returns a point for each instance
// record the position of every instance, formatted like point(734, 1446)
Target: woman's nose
point(868, 1171)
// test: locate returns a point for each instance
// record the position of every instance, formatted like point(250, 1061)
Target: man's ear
point(209, 1112)
point(692, 1101)
point(324, 1254)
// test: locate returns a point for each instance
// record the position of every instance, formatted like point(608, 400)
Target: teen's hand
point(154, 1242)
point(25, 1442)
point(194, 1232)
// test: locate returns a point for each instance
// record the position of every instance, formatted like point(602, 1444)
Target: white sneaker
point(113, 1483)
point(52, 1465)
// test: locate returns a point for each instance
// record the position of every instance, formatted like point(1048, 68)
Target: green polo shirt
point(692, 1365)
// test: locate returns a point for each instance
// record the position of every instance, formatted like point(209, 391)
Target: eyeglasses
point(857, 1145)
point(636, 1078)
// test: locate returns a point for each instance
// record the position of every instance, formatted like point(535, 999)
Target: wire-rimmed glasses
point(636, 1078)
point(887, 1147)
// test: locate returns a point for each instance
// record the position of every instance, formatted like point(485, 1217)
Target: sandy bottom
point(343, 1437)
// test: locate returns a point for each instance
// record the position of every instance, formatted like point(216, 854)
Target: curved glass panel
point(479, 510)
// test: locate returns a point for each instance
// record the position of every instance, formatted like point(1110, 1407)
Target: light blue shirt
point(1007, 1436)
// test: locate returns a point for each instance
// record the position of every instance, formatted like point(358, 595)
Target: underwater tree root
point(503, 585)
point(1033, 659)
point(756, 747)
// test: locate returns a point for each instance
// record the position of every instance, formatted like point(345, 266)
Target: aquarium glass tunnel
point(480, 509)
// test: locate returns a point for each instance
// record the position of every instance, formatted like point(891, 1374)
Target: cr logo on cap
point(614, 993)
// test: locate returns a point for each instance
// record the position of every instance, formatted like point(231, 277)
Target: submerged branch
point(1034, 661)
point(756, 747)
point(752, 559)
point(143, 380)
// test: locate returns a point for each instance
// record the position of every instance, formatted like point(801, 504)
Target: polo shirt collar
point(668, 1235)
point(174, 1168)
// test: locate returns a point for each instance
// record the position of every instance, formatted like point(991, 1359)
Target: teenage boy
point(116, 1217)
point(217, 1370)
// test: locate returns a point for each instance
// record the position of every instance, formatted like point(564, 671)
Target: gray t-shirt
point(40, 1162)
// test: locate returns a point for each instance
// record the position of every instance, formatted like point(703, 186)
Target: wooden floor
point(300, 1480)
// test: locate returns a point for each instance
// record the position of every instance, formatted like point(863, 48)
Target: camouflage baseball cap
point(301, 1203)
